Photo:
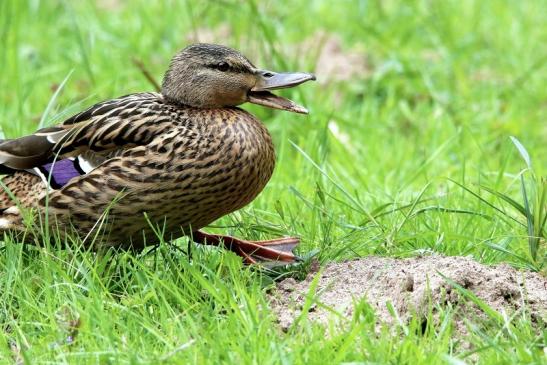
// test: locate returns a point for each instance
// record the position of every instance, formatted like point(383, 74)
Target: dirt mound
point(410, 284)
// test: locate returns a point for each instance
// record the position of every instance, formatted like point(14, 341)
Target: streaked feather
point(102, 128)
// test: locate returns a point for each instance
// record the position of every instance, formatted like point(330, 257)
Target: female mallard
point(177, 160)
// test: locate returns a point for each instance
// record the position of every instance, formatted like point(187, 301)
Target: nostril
point(268, 74)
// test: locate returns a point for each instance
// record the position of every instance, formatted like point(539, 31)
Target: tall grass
point(409, 154)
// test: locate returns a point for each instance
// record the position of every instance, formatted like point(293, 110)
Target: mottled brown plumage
point(178, 160)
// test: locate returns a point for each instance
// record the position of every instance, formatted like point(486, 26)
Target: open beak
point(267, 80)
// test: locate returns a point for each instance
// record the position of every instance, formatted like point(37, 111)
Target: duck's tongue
point(268, 80)
point(270, 100)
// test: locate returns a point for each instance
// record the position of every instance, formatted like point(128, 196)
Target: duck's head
point(214, 76)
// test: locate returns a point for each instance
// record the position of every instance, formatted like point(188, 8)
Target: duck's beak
point(267, 80)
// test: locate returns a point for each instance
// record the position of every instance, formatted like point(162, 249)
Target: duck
point(130, 171)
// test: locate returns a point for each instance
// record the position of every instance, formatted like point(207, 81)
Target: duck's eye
point(222, 66)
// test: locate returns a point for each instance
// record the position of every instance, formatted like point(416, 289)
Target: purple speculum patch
point(61, 172)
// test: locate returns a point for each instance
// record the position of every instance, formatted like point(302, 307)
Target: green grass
point(414, 156)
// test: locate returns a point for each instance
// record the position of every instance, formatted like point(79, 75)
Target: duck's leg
point(253, 252)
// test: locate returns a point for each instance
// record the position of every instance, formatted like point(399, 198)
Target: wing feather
point(114, 124)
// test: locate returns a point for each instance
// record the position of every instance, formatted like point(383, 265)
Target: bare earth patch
point(334, 62)
point(410, 284)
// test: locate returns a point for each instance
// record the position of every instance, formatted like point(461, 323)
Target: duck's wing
point(102, 129)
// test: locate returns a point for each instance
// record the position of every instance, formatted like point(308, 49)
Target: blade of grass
point(52, 100)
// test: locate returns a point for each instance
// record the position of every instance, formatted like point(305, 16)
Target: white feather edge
point(85, 164)
point(53, 137)
point(36, 171)
point(4, 157)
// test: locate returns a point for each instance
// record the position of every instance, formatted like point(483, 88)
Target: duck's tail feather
point(11, 219)
point(29, 151)
point(19, 191)
point(22, 188)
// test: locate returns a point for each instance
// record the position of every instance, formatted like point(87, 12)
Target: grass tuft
point(404, 152)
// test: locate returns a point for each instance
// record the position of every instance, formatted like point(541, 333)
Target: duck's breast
point(230, 161)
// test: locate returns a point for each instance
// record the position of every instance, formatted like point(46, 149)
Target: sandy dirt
point(334, 62)
point(410, 284)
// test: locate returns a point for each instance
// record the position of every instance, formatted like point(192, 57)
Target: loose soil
point(411, 285)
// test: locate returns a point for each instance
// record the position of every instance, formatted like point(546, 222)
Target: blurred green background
point(406, 149)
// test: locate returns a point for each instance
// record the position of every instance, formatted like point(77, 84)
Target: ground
point(422, 288)
point(425, 139)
